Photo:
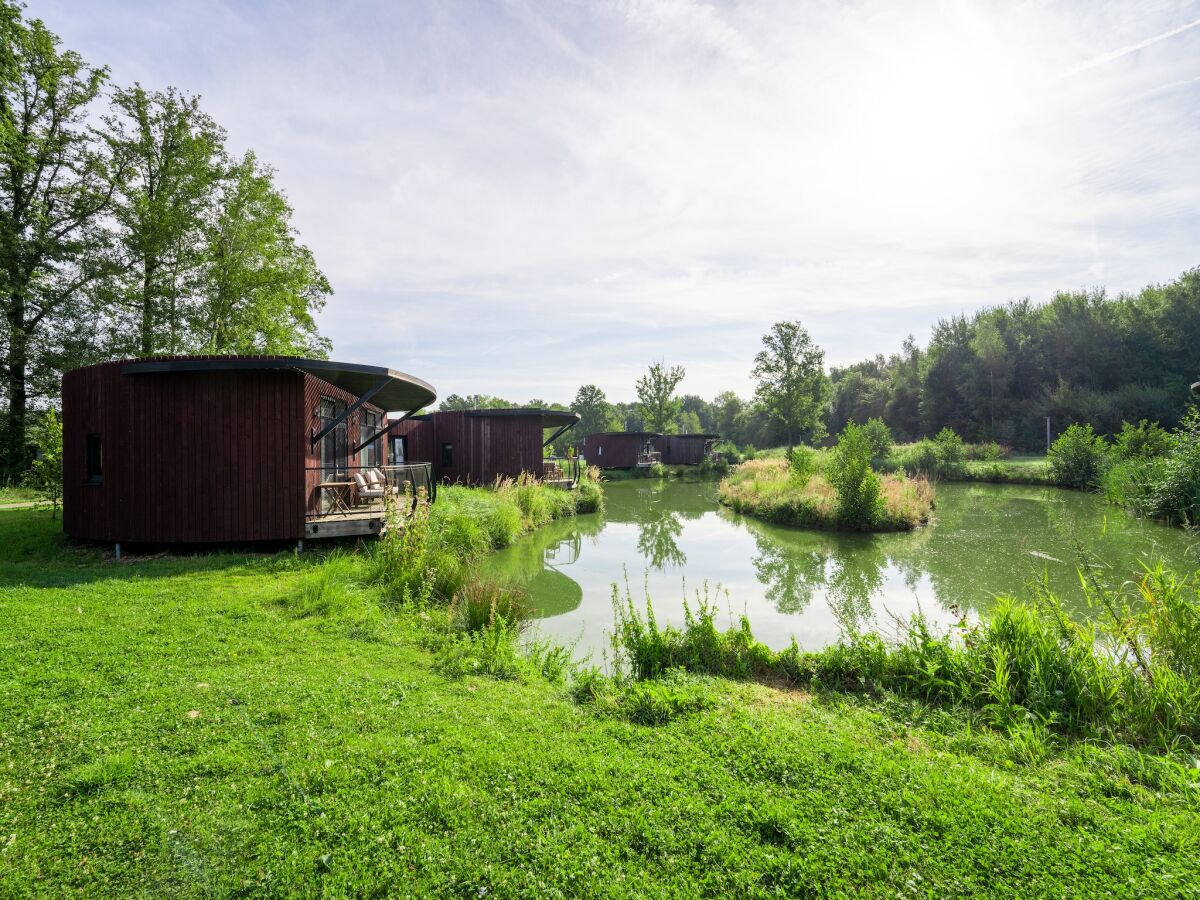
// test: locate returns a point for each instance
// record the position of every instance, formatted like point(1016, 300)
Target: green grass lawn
point(170, 726)
point(18, 495)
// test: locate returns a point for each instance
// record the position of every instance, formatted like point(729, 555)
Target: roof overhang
point(551, 418)
point(392, 390)
point(1196, 388)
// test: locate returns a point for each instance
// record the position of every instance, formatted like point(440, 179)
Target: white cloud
point(520, 198)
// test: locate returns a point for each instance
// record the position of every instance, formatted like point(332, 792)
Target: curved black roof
point(396, 390)
point(551, 418)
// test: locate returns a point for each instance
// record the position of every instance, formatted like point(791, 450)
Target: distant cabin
point(477, 446)
point(685, 449)
point(621, 449)
point(634, 449)
point(220, 449)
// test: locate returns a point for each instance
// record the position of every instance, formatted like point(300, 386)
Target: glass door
point(334, 450)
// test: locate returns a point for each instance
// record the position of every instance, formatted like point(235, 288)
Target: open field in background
point(233, 723)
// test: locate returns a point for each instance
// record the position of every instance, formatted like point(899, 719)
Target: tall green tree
point(988, 345)
point(173, 157)
point(791, 381)
point(56, 185)
point(596, 414)
point(260, 288)
point(657, 402)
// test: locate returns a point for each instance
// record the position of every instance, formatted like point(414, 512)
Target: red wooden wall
point(484, 447)
point(190, 457)
point(682, 449)
point(613, 450)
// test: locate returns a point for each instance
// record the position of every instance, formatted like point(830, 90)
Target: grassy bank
point(768, 490)
point(191, 726)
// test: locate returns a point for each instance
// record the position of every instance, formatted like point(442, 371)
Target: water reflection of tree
point(790, 575)
point(657, 535)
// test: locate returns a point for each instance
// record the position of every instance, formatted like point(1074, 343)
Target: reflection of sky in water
point(987, 540)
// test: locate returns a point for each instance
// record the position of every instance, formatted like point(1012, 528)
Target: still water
point(670, 538)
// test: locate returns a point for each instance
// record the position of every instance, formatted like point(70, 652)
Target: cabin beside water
point(195, 450)
point(641, 449)
point(478, 446)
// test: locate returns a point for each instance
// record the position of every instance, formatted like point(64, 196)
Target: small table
point(339, 492)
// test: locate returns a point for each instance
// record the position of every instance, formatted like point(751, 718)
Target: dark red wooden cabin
point(685, 449)
point(619, 449)
point(225, 448)
point(477, 446)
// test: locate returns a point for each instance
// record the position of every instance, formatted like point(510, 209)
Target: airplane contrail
point(1132, 48)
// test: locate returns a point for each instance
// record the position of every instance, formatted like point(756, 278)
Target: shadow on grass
point(34, 552)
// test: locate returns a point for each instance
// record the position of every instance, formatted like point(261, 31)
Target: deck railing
point(334, 490)
point(559, 469)
point(648, 458)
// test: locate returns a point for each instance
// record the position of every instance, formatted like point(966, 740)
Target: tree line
point(129, 228)
point(1083, 357)
point(994, 376)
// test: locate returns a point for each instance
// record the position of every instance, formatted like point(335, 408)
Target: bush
point(1165, 486)
point(1078, 458)
point(1145, 440)
point(802, 464)
point(858, 496)
point(879, 437)
point(952, 453)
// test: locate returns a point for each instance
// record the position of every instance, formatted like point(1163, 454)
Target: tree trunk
point(13, 455)
point(148, 309)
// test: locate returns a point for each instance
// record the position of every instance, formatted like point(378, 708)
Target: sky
point(516, 198)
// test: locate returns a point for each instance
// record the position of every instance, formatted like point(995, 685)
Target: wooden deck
point(359, 521)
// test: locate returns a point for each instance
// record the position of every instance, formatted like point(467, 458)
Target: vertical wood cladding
point(192, 457)
point(483, 447)
point(613, 450)
point(683, 449)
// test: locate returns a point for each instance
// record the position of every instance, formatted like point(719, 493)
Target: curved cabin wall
point(192, 457)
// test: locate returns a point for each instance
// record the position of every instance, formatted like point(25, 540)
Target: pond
point(668, 539)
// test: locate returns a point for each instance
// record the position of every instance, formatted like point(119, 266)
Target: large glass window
point(372, 453)
point(334, 452)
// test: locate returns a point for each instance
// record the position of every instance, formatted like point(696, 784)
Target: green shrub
point(952, 453)
point(1078, 458)
point(802, 464)
point(879, 437)
point(859, 502)
point(1145, 440)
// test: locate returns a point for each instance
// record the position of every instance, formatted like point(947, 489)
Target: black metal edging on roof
point(394, 390)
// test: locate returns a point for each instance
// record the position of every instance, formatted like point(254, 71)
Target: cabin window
point(334, 452)
point(447, 455)
point(372, 452)
point(399, 450)
point(95, 459)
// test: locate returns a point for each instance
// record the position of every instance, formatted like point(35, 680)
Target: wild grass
point(426, 553)
point(765, 489)
point(1026, 668)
